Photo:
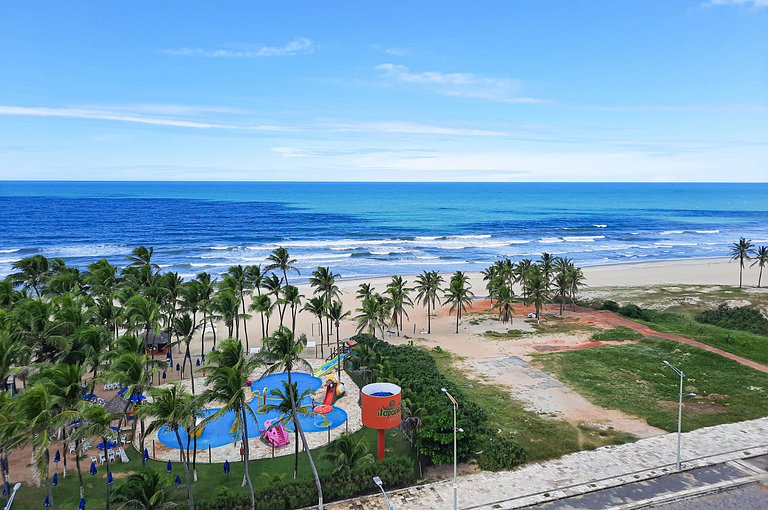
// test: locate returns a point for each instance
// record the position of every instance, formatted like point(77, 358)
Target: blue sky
point(536, 90)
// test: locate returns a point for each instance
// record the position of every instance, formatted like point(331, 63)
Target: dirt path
point(611, 319)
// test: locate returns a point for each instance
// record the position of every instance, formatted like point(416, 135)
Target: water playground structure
point(381, 410)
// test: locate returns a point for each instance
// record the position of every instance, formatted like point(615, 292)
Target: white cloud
point(295, 47)
point(503, 90)
point(122, 116)
point(757, 4)
point(412, 128)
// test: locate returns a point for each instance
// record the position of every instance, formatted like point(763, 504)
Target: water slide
point(330, 390)
point(330, 365)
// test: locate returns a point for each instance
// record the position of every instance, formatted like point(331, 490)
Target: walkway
point(581, 472)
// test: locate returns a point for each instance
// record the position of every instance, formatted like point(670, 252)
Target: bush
point(618, 334)
point(635, 312)
point(612, 306)
point(500, 453)
point(742, 318)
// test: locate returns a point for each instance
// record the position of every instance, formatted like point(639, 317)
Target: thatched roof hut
point(116, 405)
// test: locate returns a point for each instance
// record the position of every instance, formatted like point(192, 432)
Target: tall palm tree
point(281, 260)
point(228, 370)
point(504, 300)
point(145, 490)
point(206, 288)
point(364, 290)
point(337, 314)
point(520, 273)
point(373, 314)
point(227, 307)
point(561, 287)
point(741, 251)
point(237, 278)
point(576, 280)
point(346, 453)
point(98, 423)
point(255, 278)
point(547, 265)
point(458, 295)
point(537, 288)
point(292, 297)
point(36, 326)
point(323, 280)
point(185, 329)
point(761, 259)
point(263, 304)
point(316, 306)
point(284, 349)
point(399, 296)
point(31, 273)
point(144, 315)
point(427, 288)
point(173, 407)
point(13, 435)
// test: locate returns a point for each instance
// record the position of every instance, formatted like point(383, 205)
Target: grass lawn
point(510, 334)
point(633, 379)
point(619, 334)
point(543, 438)
point(741, 343)
point(210, 476)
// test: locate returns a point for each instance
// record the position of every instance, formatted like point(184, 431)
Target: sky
point(525, 90)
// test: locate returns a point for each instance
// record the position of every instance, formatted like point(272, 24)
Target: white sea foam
point(707, 231)
point(669, 232)
point(600, 226)
point(582, 239)
point(90, 250)
point(550, 240)
point(473, 236)
point(11, 250)
point(426, 238)
point(223, 247)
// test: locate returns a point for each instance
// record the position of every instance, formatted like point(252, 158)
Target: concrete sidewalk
point(579, 473)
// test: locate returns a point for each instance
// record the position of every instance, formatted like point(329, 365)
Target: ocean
point(375, 229)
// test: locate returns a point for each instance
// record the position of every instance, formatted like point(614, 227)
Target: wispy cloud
point(757, 4)
point(122, 116)
point(306, 152)
point(412, 128)
point(298, 46)
point(502, 90)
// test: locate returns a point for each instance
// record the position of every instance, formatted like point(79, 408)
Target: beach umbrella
point(168, 354)
point(109, 477)
point(202, 356)
point(138, 397)
point(81, 506)
point(198, 362)
point(178, 480)
point(57, 457)
point(146, 454)
point(55, 480)
point(93, 468)
point(226, 467)
point(122, 391)
point(164, 375)
point(4, 464)
point(178, 367)
point(5, 490)
point(168, 467)
point(47, 502)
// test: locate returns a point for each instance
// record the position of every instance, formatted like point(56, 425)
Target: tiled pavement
point(578, 473)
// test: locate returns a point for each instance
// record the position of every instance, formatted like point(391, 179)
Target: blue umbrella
point(55, 479)
point(226, 467)
point(146, 454)
point(81, 506)
point(5, 490)
point(47, 502)
point(178, 480)
point(164, 375)
point(93, 468)
point(4, 464)
point(168, 467)
point(110, 444)
point(137, 397)
point(109, 477)
point(202, 356)
point(178, 367)
point(168, 354)
point(198, 363)
point(122, 391)
point(57, 457)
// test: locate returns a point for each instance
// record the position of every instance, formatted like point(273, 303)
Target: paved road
point(750, 497)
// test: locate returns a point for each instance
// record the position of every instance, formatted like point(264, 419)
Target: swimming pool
point(216, 433)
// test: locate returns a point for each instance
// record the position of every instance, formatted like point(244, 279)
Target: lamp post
point(455, 485)
point(378, 482)
point(679, 411)
point(12, 495)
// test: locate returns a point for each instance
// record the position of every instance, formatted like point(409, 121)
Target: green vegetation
point(618, 334)
point(742, 318)
point(510, 334)
point(541, 438)
point(561, 325)
point(632, 378)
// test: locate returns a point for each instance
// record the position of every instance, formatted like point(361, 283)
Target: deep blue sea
point(372, 229)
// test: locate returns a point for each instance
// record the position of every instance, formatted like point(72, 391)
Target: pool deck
point(259, 450)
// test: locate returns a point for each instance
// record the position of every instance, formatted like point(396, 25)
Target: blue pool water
point(217, 432)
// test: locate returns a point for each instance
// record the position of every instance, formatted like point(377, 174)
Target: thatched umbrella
point(116, 405)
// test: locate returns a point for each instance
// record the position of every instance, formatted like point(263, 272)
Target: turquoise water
point(217, 433)
point(374, 229)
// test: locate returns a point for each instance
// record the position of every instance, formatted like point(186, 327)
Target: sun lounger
point(102, 457)
point(123, 455)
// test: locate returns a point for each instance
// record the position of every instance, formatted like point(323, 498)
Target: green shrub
point(500, 453)
point(618, 334)
point(635, 312)
point(742, 318)
point(612, 306)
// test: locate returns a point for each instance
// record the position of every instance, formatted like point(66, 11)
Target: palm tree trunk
point(190, 498)
point(194, 458)
point(245, 323)
point(47, 479)
point(246, 449)
point(741, 269)
point(306, 448)
point(141, 444)
point(760, 277)
point(458, 318)
point(77, 464)
point(191, 371)
point(213, 328)
point(429, 319)
point(104, 440)
point(322, 354)
point(202, 336)
point(64, 450)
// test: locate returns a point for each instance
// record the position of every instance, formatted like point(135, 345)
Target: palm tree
point(255, 278)
point(576, 280)
point(284, 349)
point(761, 259)
point(228, 370)
point(284, 405)
point(262, 304)
point(520, 275)
point(98, 423)
point(32, 272)
point(537, 288)
point(316, 306)
point(547, 263)
point(145, 490)
point(741, 251)
point(184, 328)
point(398, 295)
point(346, 454)
point(373, 315)
point(237, 279)
point(561, 287)
point(172, 407)
point(364, 290)
point(292, 296)
point(37, 327)
point(227, 308)
point(458, 295)
point(504, 300)
point(13, 435)
point(206, 288)
point(324, 282)
point(337, 314)
point(427, 288)
point(280, 259)
point(145, 314)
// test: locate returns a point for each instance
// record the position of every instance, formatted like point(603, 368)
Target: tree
point(228, 370)
point(31, 274)
point(226, 306)
point(281, 260)
point(144, 315)
point(172, 407)
point(346, 454)
point(34, 325)
point(741, 251)
point(504, 300)
point(398, 296)
point(323, 280)
point(262, 304)
point(284, 349)
point(537, 288)
point(364, 290)
point(255, 278)
point(761, 259)
point(237, 278)
point(98, 422)
point(316, 306)
point(561, 287)
point(337, 314)
point(458, 295)
point(184, 328)
point(373, 315)
point(576, 280)
point(145, 490)
point(427, 288)
point(292, 297)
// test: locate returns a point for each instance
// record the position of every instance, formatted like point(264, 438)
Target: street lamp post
point(679, 411)
point(455, 485)
point(12, 495)
point(378, 482)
